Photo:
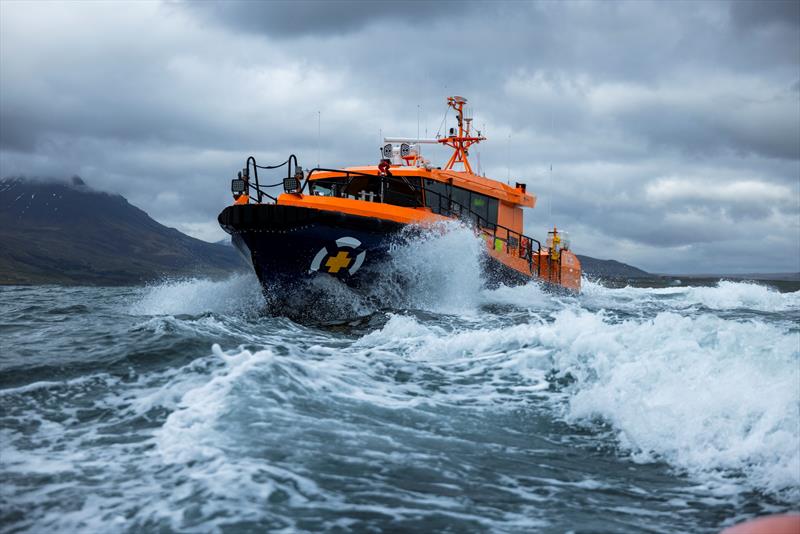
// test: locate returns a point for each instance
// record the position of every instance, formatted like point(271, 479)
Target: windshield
point(396, 190)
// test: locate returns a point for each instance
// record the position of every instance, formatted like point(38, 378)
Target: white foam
point(441, 268)
point(725, 295)
point(530, 295)
point(196, 296)
point(189, 431)
point(705, 394)
point(728, 295)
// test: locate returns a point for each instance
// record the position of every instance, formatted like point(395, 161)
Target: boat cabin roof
point(465, 180)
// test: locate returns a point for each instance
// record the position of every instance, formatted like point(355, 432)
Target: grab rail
point(257, 187)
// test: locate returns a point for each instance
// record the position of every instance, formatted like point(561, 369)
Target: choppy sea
point(182, 407)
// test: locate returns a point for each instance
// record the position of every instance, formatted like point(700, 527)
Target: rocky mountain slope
point(610, 268)
point(68, 233)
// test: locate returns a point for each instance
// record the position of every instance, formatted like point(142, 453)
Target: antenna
point(417, 120)
point(319, 133)
point(550, 196)
point(550, 185)
point(419, 149)
point(508, 160)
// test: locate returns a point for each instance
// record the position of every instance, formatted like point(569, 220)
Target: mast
point(461, 141)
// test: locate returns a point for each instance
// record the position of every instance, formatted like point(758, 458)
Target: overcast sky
point(672, 128)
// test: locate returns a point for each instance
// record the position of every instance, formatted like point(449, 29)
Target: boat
point(344, 223)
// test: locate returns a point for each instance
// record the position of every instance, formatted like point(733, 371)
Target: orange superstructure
point(362, 204)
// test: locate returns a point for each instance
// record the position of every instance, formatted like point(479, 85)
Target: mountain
point(610, 268)
point(68, 233)
point(767, 277)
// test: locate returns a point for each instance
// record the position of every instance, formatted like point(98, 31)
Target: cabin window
point(479, 205)
point(440, 197)
point(397, 190)
point(323, 188)
point(461, 201)
point(362, 188)
point(491, 210)
point(402, 191)
point(437, 196)
point(357, 187)
point(485, 207)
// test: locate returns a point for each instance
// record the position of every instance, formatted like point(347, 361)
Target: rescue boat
point(344, 223)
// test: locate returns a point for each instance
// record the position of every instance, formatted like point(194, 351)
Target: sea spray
point(191, 296)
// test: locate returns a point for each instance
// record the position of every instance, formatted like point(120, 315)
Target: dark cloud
point(749, 14)
point(666, 128)
point(17, 130)
point(291, 19)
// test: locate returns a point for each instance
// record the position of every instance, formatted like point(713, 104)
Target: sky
point(662, 134)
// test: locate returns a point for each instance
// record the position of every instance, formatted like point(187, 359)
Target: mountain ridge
point(610, 268)
point(53, 231)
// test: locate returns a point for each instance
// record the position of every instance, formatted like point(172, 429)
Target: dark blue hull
point(289, 245)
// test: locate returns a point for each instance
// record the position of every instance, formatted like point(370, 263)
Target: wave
point(725, 295)
point(686, 390)
point(728, 295)
point(707, 395)
point(691, 391)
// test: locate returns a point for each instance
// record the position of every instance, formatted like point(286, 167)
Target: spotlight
point(238, 188)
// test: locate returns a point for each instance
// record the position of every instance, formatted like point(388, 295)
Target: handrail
point(259, 193)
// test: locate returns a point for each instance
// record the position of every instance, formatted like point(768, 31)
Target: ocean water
point(181, 406)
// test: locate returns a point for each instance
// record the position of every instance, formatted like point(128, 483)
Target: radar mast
point(460, 141)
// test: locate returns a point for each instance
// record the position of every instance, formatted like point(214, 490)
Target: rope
point(271, 166)
point(443, 119)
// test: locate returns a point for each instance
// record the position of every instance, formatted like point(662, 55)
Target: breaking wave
point(723, 296)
